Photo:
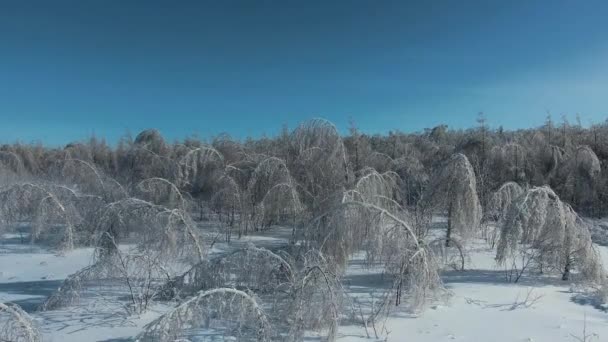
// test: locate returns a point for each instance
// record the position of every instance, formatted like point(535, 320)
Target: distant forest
point(571, 159)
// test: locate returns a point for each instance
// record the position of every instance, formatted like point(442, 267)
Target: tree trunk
point(566, 274)
point(448, 236)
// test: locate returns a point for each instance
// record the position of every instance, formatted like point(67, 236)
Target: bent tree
point(453, 188)
point(16, 325)
point(551, 233)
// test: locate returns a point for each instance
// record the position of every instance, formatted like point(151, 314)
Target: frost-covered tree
point(152, 140)
point(496, 210)
point(86, 178)
point(16, 325)
point(369, 221)
point(358, 147)
point(379, 161)
point(146, 157)
point(161, 242)
point(36, 206)
point(228, 204)
point(232, 311)
point(582, 170)
point(155, 229)
point(161, 192)
point(11, 167)
point(200, 168)
point(72, 288)
point(272, 194)
point(500, 201)
point(414, 178)
point(553, 235)
point(319, 163)
point(299, 291)
point(509, 162)
point(453, 188)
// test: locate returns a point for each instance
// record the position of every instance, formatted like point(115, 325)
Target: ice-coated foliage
point(581, 173)
point(365, 200)
point(388, 241)
point(551, 158)
point(228, 204)
point(232, 312)
point(272, 195)
point(163, 241)
point(253, 268)
point(11, 167)
point(300, 292)
point(50, 219)
point(414, 178)
point(375, 188)
point(539, 221)
point(16, 325)
point(319, 162)
point(585, 162)
point(379, 161)
point(514, 158)
point(501, 200)
point(152, 140)
point(85, 178)
point(161, 192)
point(453, 188)
point(315, 298)
point(155, 228)
point(71, 289)
point(19, 202)
point(370, 220)
point(200, 168)
point(52, 214)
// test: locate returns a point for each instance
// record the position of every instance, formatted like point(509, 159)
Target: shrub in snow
point(16, 325)
point(234, 312)
point(300, 292)
point(257, 269)
point(71, 289)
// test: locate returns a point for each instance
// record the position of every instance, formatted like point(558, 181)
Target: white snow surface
point(480, 307)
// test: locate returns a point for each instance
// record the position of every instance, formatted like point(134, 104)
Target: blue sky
point(72, 68)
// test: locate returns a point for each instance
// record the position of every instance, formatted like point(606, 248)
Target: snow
point(478, 305)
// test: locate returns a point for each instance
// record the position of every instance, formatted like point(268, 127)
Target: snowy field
point(478, 304)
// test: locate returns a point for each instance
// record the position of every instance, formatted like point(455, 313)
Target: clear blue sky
point(71, 68)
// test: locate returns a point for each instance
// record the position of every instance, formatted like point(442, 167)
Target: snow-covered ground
point(29, 274)
point(479, 305)
point(482, 306)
